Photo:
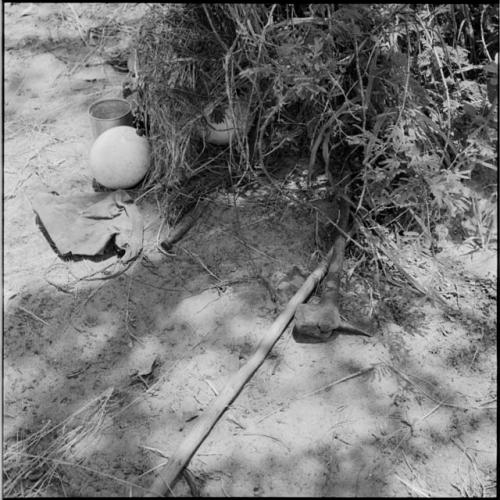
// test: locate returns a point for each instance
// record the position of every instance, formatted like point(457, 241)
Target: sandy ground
point(101, 378)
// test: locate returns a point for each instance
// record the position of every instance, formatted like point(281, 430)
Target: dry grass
point(33, 462)
point(180, 73)
point(196, 61)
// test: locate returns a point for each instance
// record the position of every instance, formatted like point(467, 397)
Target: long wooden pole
point(165, 480)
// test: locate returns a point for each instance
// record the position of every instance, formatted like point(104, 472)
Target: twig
point(472, 461)
point(189, 477)
point(91, 276)
point(176, 290)
point(33, 315)
point(280, 408)
point(216, 33)
point(432, 411)
point(83, 61)
point(328, 386)
point(198, 258)
point(275, 109)
point(415, 489)
point(296, 21)
point(267, 436)
point(154, 450)
point(407, 82)
point(146, 193)
point(156, 467)
point(214, 390)
point(360, 81)
point(251, 247)
point(482, 34)
point(78, 23)
point(432, 398)
point(127, 316)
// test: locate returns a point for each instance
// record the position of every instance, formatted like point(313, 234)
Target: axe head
point(318, 323)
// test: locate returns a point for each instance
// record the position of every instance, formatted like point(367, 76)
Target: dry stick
point(485, 47)
point(33, 315)
point(331, 384)
point(202, 264)
point(472, 461)
point(415, 489)
point(179, 459)
point(79, 25)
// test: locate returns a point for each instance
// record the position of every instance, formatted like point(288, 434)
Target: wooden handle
point(164, 482)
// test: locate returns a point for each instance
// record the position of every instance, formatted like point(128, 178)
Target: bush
point(405, 94)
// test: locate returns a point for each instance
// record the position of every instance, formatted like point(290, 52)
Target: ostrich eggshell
point(120, 158)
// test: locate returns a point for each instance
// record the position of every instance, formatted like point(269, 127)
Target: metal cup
point(108, 113)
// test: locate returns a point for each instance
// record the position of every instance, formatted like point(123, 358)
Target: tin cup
point(109, 113)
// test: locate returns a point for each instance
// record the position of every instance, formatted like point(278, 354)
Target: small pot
point(108, 113)
point(222, 133)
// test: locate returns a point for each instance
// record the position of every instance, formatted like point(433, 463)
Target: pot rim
point(109, 99)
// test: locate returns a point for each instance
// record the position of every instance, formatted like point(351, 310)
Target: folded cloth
point(84, 224)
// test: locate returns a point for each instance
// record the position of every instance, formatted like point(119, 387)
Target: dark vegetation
point(404, 96)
